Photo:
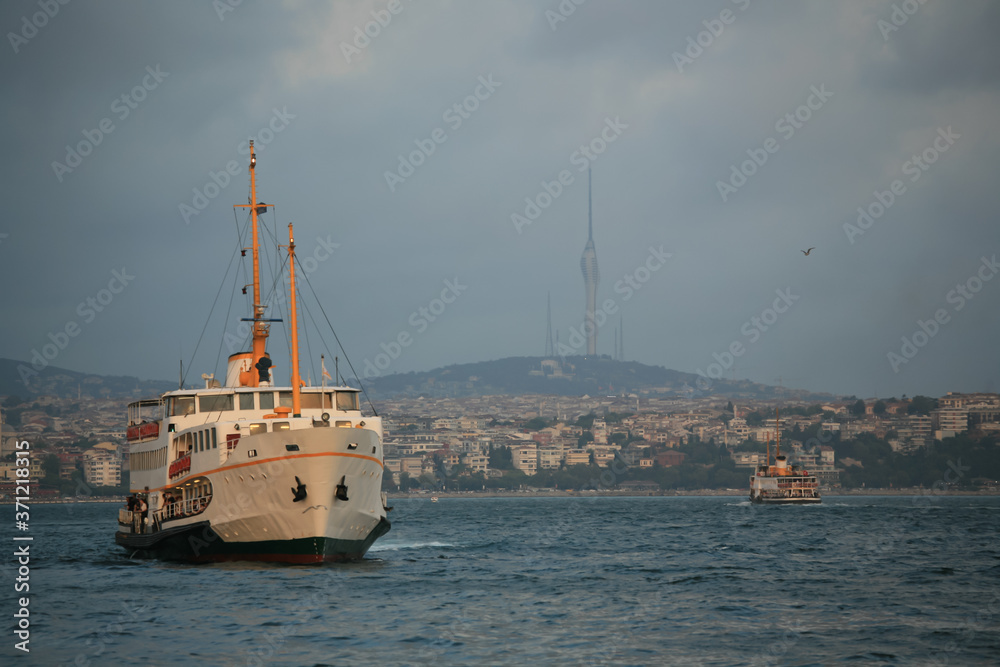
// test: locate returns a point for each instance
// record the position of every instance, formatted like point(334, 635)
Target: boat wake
point(390, 546)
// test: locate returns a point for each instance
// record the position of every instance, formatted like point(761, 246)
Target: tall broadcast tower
point(591, 276)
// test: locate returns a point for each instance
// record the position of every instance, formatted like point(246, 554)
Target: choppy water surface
point(620, 581)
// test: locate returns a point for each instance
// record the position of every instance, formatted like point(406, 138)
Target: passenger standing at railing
point(143, 510)
point(168, 505)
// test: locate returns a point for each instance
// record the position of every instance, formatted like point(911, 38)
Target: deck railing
point(183, 508)
point(180, 466)
point(131, 519)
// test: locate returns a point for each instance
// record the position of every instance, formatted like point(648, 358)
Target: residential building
point(671, 458)
point(102, 468)
point(549, 458)
point(476, 462)
point(525, 458)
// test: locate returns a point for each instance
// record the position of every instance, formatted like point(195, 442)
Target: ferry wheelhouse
point(782, 483)
point(250, 471)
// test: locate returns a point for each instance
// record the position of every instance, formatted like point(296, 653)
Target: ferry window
point(347, 400)
point(258, 428)
point(266, 400)
point(246, 401)
point(327, 400)
point(346, 423)
point(285, 399)
point(310, 401)
point(280, 426)
point(215, 403)
point(181, 405)
point(215, 441)
point(201, 441)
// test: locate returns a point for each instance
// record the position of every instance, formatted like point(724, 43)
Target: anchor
point(341, 493)
point(300, 491)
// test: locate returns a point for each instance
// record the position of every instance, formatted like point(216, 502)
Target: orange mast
point(777, 431)
point(768, 459)
point(260, 328)
point(296, 396)
point(777, 441)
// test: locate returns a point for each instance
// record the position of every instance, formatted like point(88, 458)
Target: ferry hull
point(199, 543)
point(785, 501)
point(318, 502)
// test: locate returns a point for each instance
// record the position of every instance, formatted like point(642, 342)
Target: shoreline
point(732, 493)
point(559, 493)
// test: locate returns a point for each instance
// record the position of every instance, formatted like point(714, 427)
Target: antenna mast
point(549, 347)
point(590, 208)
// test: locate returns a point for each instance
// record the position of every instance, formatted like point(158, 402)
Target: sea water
point(524, 581)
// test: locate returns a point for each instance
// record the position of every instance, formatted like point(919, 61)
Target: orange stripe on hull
point(262, 461)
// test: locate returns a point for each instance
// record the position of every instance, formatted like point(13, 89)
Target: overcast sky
point(841, 105)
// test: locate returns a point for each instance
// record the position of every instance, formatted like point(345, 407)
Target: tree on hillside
point(51, 467)
point(921, 405)
point(857, 408)
point(501, 458)
point(536, 424)
point(879, 407)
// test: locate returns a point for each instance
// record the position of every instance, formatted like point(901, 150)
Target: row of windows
point(261, 427)
point(197, 441)
point(185, 405)
point(148, 460)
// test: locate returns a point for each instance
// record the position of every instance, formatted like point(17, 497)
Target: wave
point(391, 546)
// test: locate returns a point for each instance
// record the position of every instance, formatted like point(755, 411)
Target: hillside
point(53, 381)
point(570, 376)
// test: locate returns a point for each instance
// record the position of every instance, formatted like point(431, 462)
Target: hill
point(568, 376)
point(64, 383)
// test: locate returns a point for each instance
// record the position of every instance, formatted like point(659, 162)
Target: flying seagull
point(806, 252)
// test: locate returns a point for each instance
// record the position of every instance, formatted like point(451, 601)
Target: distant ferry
point(249, 471)
point(782, 484)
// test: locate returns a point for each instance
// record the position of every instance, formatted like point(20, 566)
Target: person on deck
point(142, 508)
point(263, 367)
point(168, 504)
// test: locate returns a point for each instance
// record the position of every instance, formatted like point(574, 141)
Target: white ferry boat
point(249, 471)
point(781, 483)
